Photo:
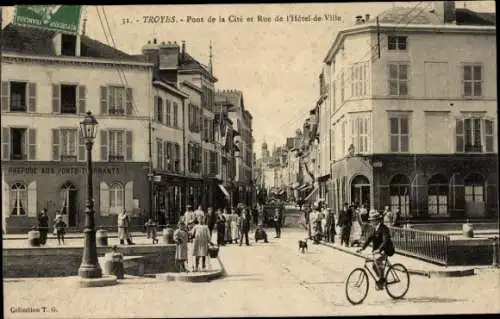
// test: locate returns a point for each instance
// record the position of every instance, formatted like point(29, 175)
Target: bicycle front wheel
point(356, 286)
point(397, 281)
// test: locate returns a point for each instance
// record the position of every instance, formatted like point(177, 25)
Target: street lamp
point(90, 266)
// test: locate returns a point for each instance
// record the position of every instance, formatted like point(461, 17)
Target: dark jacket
point(345, 217)
point(381, 239)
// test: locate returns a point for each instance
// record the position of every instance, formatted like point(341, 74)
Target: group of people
point(59, 227)
point(321, 222)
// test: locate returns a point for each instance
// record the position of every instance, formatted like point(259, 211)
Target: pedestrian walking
point(235, 229)
point(43, 226)
point(199, 214)
point(189, 217)
point(181, 248)
point(210, 219)
point(345, 223)
point(244, 226)
point(151, 230)
point(277, 224)
point(227, 231)
point(221, 228)
point(201, 241)
point(60, 229)
point(123, 228)
point(397, 218)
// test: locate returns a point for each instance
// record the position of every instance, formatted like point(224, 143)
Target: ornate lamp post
point(90, 265)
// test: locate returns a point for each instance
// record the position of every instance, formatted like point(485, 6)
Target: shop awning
point(311, 193)
point(224, 190)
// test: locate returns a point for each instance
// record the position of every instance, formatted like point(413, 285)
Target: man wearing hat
point(382, 244)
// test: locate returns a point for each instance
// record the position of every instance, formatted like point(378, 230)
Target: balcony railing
point(68, 158)
point(115, 111)
point(474, 148)
point(19, 157)
point(116, 158)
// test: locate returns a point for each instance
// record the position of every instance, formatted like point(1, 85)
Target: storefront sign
point(61, 171)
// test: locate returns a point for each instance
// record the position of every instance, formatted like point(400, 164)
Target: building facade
point(243, 183)
point(414, 127)
point(49, 81)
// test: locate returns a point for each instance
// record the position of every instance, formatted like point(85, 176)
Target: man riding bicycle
point(382, 245)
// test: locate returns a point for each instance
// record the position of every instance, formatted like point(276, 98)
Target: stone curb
point(193, 277)
point(434, 273)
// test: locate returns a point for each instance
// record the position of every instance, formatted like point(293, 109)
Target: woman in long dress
point(234, 227)
point(201, 240)
point(227, 237)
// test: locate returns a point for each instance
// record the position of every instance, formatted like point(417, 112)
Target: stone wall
point(60, 262)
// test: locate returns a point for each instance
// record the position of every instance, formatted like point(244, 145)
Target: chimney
point(169, 56)
point(154, 41)
point(445, 11)
point(359, 19)
point(183, 52)
point(367, 17)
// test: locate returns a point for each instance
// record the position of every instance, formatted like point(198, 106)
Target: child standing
point(151, 230)
point(60, 227)
point(181, 251)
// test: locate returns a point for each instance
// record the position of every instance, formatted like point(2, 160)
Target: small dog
point(303, 245)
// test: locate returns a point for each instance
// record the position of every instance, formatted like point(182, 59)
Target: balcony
point(116, 158)
point(473, 148)
point(19, 157)
point(68, 158)
point(115, 111)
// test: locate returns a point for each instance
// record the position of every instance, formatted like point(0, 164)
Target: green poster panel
point(59, 18)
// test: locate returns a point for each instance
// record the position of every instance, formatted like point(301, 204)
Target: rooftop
point(20, 39)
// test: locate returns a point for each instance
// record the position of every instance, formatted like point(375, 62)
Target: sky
point(275, 64)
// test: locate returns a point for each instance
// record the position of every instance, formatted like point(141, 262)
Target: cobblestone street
point(270, 279)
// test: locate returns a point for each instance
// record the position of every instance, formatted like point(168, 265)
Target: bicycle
point(390, 278)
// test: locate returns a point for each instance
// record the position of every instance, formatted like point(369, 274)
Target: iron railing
point(425, 245)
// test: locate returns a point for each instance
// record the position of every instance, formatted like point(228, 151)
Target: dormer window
point(68, 45)
point(397, 43)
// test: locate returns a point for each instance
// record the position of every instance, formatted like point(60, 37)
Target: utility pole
point(378, 38)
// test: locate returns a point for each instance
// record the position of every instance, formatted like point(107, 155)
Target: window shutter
point(5, 96)
point(129, 196)
point(104, 198)
point(104, 145)
point(5, 143)
point(128, 141)
point(129, 100)
point(5, 199)
point(104, 100)
point(32, 209)
point(56, 149)
point(155, 109)
point(166, 156)
point(81, 146)
point(32, 97)
point(31, 144)
point(82, 92)
point(460, 140)
point(56, 98)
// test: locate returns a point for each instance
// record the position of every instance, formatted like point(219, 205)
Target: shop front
point(61, 188)
point(168, 198)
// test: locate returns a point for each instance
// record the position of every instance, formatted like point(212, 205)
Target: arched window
point(438, 196)
point(116, 198)
point(474, 188)
point(360, 190)
point(19, 199)
point(400, 194)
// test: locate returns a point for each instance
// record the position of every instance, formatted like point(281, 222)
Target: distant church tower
point(265, 150)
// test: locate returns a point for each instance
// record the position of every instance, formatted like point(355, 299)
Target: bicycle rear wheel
point(356, 286)
point(397, 281)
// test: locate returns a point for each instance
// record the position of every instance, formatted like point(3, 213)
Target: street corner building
point(49, 81)
point(407, 115)
point(160, 144)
